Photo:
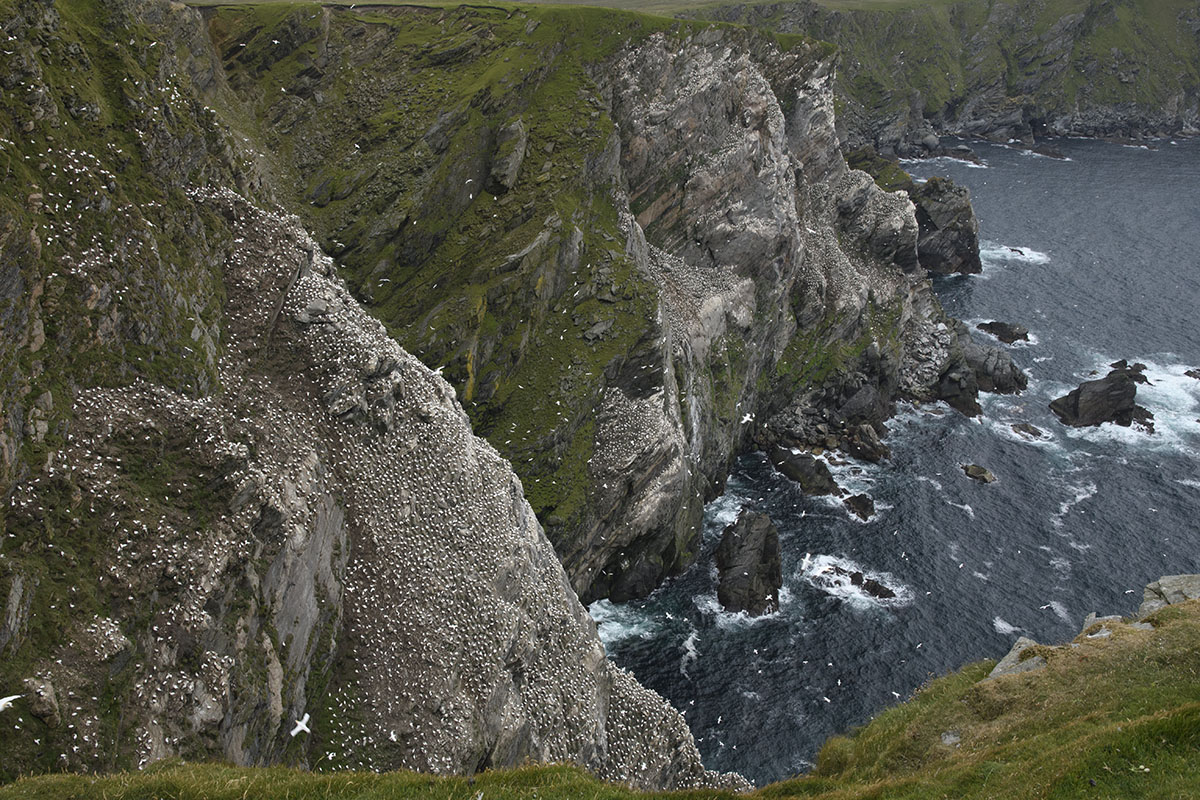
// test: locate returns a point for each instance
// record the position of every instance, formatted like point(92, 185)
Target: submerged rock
point(981, 474)
point(1109, 399)
point(1025, 429)
point(749, 566)
point(861, 505)
point(869, 586)
point(1006, 332)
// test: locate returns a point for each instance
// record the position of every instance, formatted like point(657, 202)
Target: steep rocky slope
point(311, 532)
point(234, 502)
point(1021, 729)
point(1012, 69)
point(658, 205)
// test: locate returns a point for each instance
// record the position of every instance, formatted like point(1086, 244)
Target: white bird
point(301, 726)
point(5, 702)
point(747, 418)
point(804, 565)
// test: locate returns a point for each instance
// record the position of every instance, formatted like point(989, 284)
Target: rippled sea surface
point(1099, 256)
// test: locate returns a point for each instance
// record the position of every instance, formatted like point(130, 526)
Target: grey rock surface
point(511, 143)
point(1014, 664)
point(1168, 590)
point(1107, 399)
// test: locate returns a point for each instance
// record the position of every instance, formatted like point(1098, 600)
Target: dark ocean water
point(1108, 268)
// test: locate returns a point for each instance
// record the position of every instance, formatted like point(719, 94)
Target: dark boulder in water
point(1025, 429)
point(749, 566)
point(1108, 399)
point(805, 469)
point(861, 505)
point(1006, 332)
point(864, 442)
point(978, 473)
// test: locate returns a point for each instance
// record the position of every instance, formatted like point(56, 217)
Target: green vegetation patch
point(1117, 717)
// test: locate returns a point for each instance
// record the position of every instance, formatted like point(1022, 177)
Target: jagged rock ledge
point(1026, 655)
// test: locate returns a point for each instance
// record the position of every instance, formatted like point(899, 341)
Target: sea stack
point(1108, 399)
point(748, 563)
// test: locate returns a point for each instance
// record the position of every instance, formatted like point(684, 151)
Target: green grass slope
point(1116, 716)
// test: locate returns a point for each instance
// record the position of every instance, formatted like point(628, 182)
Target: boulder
point(805, 469)
point(749, 565)
point(1168, 590)
point(1193, 373)
point(510, 154)
point(981, 474)
point(1013, 663)
point(43, 701)
point(1006, 332)
point(864, 443)
point(1108, 399)
point(861, 505)
point(1025, 429)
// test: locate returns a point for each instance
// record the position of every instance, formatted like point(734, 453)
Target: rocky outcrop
point(1018, 661)
point(948, 242)
point(1168, 590)
point(1107, 399)
point(860, 505)
point(811, 473)
point(748, 566)
point(978, 473)
point(314, 533)
point(948, 231)
point(1007, 332)
point(1026, 655)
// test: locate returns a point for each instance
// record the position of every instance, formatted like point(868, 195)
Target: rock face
point(234, 500)
point(682, 264)
point(1108, 399)
point(1168, 590)
point(312, 531)
point(949, 231)
point(510, 154)
point(748, 565)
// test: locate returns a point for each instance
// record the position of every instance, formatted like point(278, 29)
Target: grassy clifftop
point(1112, 715)
point(1003, 67)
